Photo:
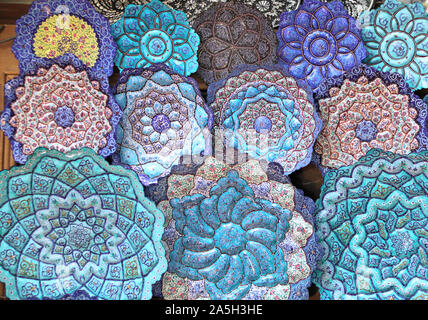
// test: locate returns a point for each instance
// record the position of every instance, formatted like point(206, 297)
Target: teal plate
point(72, 222)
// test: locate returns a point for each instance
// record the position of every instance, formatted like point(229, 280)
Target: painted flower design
point(234, 232)
point(63, 31)
point(59, 108)
point(371, 220)
point(395, 36)
point(366, 109)
point(319, 40)
point(79, 234)
point(232, 34)
point(267, 114)
point(165, 117)
point(155, 33)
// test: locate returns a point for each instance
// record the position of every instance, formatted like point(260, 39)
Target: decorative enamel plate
point(58, 30)
point(270, 8)
point(113, 9)
point(395, 36)
point(319, 40)
point(356, 7)
point(267, 114)
point(164, 118)
point(364, 109)
point(72, 222)
point(155, 33)
point(59, 108)
point(234, 232)
point(232, 34)
point(371, 220)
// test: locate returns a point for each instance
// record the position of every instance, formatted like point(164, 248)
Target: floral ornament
point(371, 220)
point(364, 109)
point(80, 232)
point(319, 41)
point(356, 7)
point(165, 117)
point(270, 8)
point(395, 36)
point(155, 33)
point(61, 31)
point(235, 232)
point(59, 108)
point(267, 114)
point(232, 34)
point(113, 10)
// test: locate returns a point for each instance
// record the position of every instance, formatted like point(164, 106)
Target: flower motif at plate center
point(395, 38)
point(161, 122)
point(236, 238)
point(398, 49)
point(262, 124)
point(366, 130)
point(64, 117)
point(319, 40)
point(79, 233)
point(156, 46)
point(319, 47)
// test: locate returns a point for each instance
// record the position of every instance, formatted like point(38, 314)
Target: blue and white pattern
point(395, 36)
point(155, 33)
point(371, 220)
point(165, 117)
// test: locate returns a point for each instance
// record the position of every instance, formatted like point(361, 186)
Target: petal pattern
point(252, 237)
point(232, 34)
point(75, 112)
point(384, 113)
point(165, 117)
point(395, 32)
point(267, 107)
point(79, 228)
point(322, 31)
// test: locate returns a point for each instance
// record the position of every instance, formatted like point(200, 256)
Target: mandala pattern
point(232, 34)
point(155, 33)
point(114, 9)
point(365, 109)
point(59, 108)
point(73, 222)
point(270, 8)
point(371, 220)
point(233, 232)
point(395, 36)
point(319, 41)
point(165, 117)
point(266, 114)
point(63, 30)
point(356, 7)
